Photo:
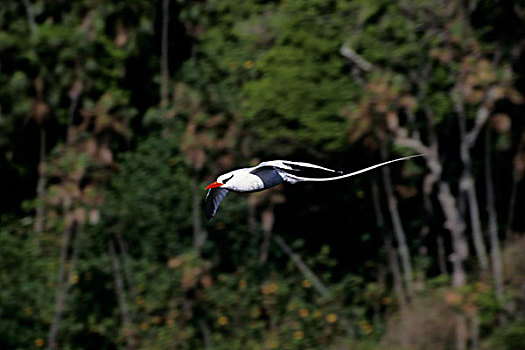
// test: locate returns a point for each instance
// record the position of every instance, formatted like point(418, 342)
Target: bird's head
point(221, 181)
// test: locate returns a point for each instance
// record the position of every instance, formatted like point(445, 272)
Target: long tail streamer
point(300, 178)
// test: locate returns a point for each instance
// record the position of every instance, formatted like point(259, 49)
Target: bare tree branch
point(199, 233)
point(164, 87)
point(61, 290)
point(30, 16)
point(453, 220)
point(517, 175)
point(455, 225)
point(399, 232)
point(310, 275)
point(296, 259)
point(466, 183)
point(267, 220)
point(497, 264)
point(392, 257)
point(356, 59)
point(121, 297)
point(413, 143)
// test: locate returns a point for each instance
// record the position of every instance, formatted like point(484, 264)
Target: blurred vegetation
point(115, 115)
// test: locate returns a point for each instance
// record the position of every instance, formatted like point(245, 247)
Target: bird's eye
point(227, 179)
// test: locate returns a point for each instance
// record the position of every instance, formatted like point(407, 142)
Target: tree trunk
point(393, 262)
point(267, 220)
point(453, 219)
point(474, 331)
point(399, 233)
point(121, 297)
point(252, 210)
point(63, 284)
point(396, 274)
point(456, 227)
point(62, 281)
point(466, 183)
point(199, 234)
point(125, 268)
point(41, 185)
point(497, 269)
point(165, 74)
point(30, 17)
point(441, 255)
point(461, 332)
point(206, 334)
point(517, 175)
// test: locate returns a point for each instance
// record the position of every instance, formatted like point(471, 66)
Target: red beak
point(213, 185)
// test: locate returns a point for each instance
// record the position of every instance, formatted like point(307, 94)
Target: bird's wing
point(293, 178)
point(269, 176)
point(297, 166)
point(213, 200)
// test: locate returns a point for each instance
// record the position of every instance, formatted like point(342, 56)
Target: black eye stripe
point(226, 180)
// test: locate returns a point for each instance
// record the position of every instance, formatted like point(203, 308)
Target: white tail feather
point(300, 178)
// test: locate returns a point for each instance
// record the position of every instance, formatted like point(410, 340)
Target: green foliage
point(150, 199)
point(26, 299)
point(509, 337)
point(299, 87)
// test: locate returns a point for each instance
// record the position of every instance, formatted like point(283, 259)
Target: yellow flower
point(222, 321)
point(482, 287)
point(270, 288)
point(298, 335)
point(307, 283)
point(386, 300)
point(317, 314)
point(366, 327)
point(331, 318)
point(175, 262)
point(28, 311)
point(156, 320)
point(73, 279)
point(453, 298)
point(39, 342)
point(242, 284)
point(273, 344)
point(248, 64)
point(144, 326)
point(303, 313)
point(170, 322)
point(173, 314)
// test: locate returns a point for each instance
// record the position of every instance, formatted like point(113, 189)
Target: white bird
point(266, 175)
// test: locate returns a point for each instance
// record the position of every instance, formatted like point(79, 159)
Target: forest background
point(114, 116)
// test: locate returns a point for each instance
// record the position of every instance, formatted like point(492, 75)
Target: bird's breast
point(245, 183)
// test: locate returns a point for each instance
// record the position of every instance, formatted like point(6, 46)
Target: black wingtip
point(213, 200)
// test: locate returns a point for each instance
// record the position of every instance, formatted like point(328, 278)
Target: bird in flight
point(269, 174)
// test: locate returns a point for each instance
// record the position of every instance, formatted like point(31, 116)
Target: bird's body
point(266, 175)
